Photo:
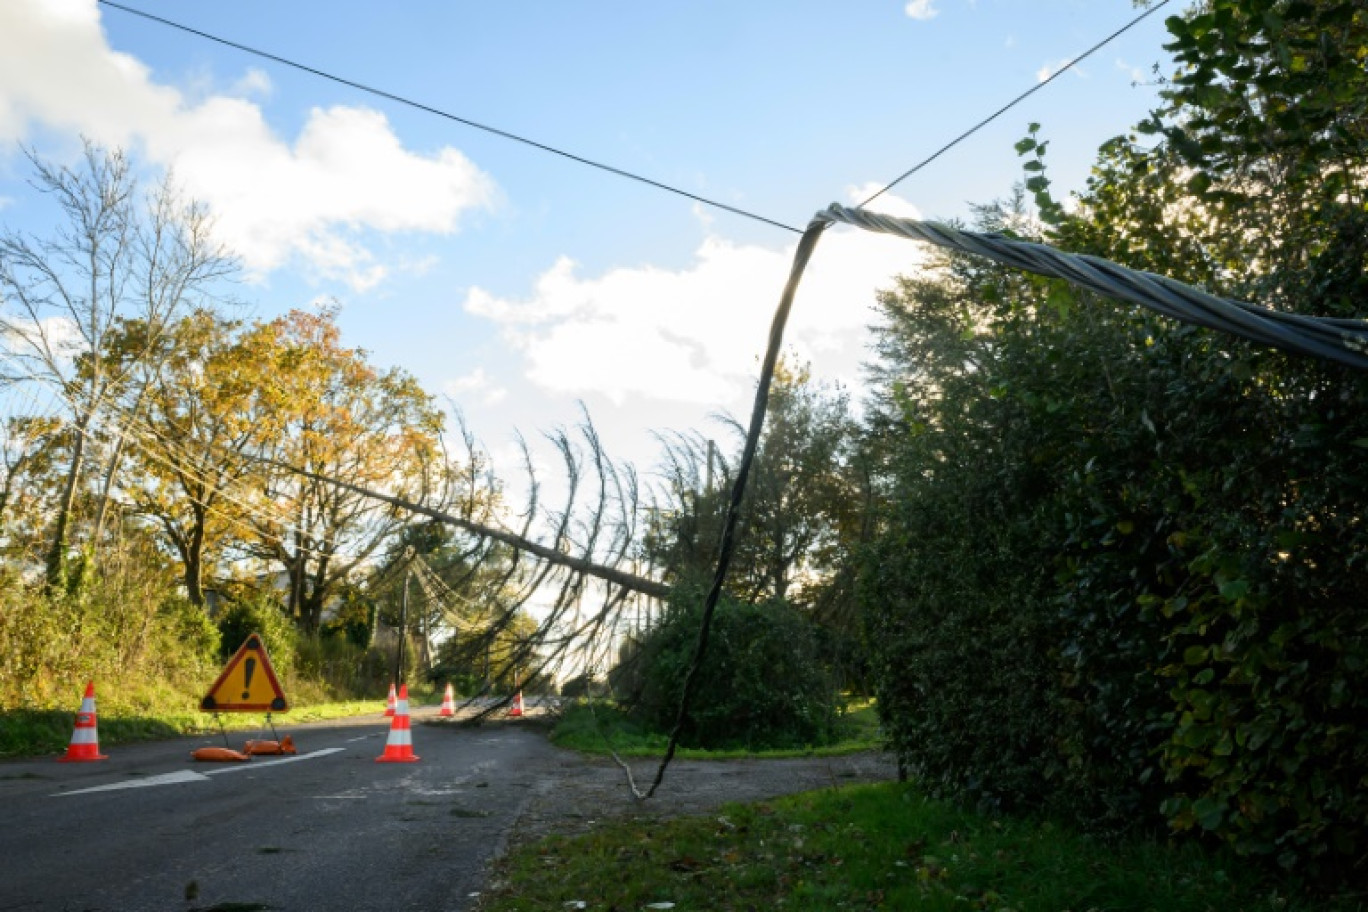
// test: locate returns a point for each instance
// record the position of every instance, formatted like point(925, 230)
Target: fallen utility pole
point(653, 588)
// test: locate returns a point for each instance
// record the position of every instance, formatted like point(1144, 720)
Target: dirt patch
point(586, 790)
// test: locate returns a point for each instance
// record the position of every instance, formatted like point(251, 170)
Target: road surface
point(149, 829)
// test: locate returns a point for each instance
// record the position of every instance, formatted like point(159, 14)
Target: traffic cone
point(517, 709)
point(448, 703)
point(389, 704)
point(399, 746)
point(85, 740)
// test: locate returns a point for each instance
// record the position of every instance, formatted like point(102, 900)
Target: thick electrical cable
point(1015, 101)
point(1333, 339)
point(429, 109)
point(806, 245)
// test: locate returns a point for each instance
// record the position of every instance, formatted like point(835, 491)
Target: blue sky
point(519, 283)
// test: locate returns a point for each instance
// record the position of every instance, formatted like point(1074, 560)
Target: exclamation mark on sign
point(247, 673)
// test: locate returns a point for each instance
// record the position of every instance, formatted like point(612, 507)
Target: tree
point(211, 407)
point(447, 588)
point(801, 501)
point(27, 447)
point(63, 297)
point(337, 416)
point(763, 684)
point(799, 493)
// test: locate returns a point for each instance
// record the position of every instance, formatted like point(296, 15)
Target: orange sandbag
point(284, 746)
point(219, 755)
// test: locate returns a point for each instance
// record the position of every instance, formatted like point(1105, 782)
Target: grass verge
point(882, 846)
point(591, 729)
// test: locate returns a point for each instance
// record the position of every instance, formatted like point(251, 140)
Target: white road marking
point(258, 764)
point(164, 779)
point(362, 738)
point(192, 776)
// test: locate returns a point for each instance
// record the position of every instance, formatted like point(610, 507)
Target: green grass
point(874, 847)
point(591, 729)
point(35, 732)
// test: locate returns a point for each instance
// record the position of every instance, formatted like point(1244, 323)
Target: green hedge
point(761, 684)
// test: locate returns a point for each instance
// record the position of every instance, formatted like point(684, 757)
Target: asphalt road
point(149, 829)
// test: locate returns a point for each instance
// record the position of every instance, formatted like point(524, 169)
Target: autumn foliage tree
point(334, 416)
point(213, 406)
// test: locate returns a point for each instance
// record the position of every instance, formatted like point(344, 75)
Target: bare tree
point(117, 258)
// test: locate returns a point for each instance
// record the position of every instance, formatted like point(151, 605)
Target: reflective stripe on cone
point(399, 745)
point(85, 738)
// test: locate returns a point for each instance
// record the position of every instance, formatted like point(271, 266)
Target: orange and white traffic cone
point(389, 704)
point(399, 746)
point(85, 740)
point(517, 709)
point(448, 703)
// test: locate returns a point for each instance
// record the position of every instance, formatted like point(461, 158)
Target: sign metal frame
point(236, 678)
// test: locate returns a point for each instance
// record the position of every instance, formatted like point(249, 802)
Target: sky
point(524, 286)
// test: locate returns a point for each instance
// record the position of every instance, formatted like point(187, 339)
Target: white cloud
point(1137, 75)
point(312, 198)
point(1050, 69)
point(695, 335)
point(419, 266)
point(887, 203)
point(59, 337)
point(921, 9)
point(475, 385)
point(704, 215)
point(253, 82)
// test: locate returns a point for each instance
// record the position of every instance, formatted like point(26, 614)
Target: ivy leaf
point(1209, 811)
point(1234, 590)
point(1200, 183)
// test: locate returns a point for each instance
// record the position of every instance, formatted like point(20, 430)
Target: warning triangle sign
point(247, 683)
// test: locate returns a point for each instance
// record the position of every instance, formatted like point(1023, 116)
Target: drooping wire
point(505, 134)
point(727, 546)
point(1014, 102)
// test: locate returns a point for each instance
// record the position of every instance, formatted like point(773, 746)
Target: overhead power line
point(1014, 102)
point(602, 166)
point(409, 102)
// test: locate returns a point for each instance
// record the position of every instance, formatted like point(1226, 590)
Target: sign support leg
point(224, 731)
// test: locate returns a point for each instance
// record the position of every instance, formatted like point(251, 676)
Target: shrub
point(337, 664)
point(262, 615)
point(761, 684)
point(188, 642)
